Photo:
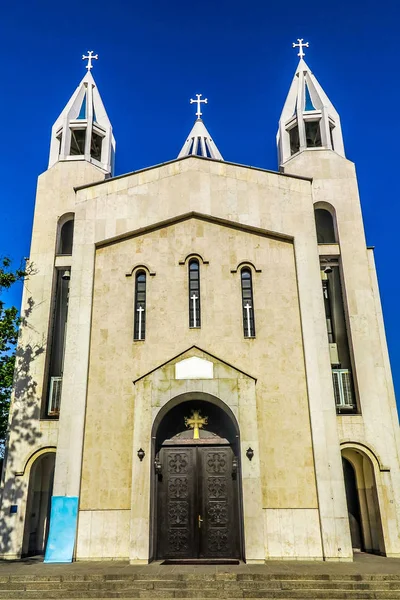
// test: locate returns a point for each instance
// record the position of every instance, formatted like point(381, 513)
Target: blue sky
point(156, 55)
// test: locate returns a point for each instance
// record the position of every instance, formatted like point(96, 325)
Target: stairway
point(228, 584)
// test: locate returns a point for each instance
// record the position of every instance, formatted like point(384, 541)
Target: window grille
point(194, 294)
point(247, 303)
point(140, 306)
point(343, 389)
point(53, 409)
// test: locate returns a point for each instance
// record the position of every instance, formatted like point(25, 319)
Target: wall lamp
point(250, 453)
point(141, 454)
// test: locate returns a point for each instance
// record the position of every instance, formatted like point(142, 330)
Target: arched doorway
point(353, 505)
point(38, 506)
point(197, 511)
point(362, 502)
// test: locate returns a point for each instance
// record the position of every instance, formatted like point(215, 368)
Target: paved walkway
point(364, 564)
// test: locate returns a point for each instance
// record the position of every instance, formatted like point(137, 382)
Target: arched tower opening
point(325, 226)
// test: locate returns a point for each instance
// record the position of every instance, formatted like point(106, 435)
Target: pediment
point(195, 363)
point(201, 217)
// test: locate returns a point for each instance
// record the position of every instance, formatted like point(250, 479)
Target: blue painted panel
point(63, 518)
point(308, 105)
point(82, 113)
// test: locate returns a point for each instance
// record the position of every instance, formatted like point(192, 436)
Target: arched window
point(247, 303)
point(325, 226)
point(140, 306)
point(66, 237)
point(194, 293)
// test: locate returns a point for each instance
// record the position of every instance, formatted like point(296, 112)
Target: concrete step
point(201, 578)
point(305, 595)
point(201, 585)
point(154, 584)
point(230, 593)
point(155, 575)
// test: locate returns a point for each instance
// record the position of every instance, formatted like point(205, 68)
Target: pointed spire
point(309, 119)
point(83, 130)
point(199, 141)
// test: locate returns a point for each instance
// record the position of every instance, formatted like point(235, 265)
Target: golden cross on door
point(196, 422)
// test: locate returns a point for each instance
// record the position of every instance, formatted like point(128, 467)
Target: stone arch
point(366, 467)
point(246, 263)
point(40, 470)
point(194, 255)
point(32, 457)
point(140, 267)
point(187, 396)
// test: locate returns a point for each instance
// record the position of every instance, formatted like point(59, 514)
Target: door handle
point(200, 520)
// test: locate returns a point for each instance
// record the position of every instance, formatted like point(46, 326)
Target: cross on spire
point(89, 58)
point(300, 46)
point(198, 102)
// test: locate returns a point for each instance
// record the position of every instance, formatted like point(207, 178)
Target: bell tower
point(309, 121)
point(310, 144)
point(83, 130)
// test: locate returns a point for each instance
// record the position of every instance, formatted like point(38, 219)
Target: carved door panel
point(218, 503)
point(197, 503)
point(177, 498)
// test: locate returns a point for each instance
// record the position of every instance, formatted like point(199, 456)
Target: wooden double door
point(198, 512)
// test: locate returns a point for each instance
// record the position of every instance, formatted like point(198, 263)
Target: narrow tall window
point(95, 146)
point(331, 128)
point(194, 293)
point(59, 328)
point(140, 306)
point(294, 139)
point(247, 304)
point(339, 343)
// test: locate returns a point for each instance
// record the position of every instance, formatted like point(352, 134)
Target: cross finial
point(198, 102)
point(89, 58)
point(300, 46)
point(196, 422)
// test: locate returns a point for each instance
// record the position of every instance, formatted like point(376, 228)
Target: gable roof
point(190, 157)
point(201, 217)
point(200, 350)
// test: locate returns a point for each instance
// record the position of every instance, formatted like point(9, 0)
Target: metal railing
point(343, 389)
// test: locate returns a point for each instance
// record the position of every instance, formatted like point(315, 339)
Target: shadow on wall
point(23, 432)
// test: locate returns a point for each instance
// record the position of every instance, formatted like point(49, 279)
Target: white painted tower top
point(199, 141)
point(83, 130)
point(309, 121)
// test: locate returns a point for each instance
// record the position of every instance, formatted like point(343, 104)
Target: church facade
point(202, 371)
